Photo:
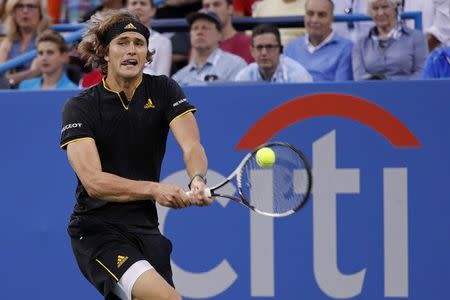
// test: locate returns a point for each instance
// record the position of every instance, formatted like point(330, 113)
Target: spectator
point(232, 41)
point(437, 64)
point(271, 65)
point(390, 50)
point(104, 7)
point(351, 30)
point(435, 20)
point(180, 40)
point(208, 62)
point(52, 55)
point(272, 8)
point(326, 55)
point(158, 44)
point(25, 19)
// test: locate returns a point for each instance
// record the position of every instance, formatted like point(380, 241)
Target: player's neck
point(127, 85)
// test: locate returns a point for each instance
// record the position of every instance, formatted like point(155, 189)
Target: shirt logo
point(179, 102)
point(129, 26)
point(149, 104)
point(120, 260)
point(73, 125)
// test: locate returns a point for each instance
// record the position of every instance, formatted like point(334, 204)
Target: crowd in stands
point(208, 63)
point(212, 50)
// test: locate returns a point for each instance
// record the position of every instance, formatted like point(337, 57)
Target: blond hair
point(93, 47)
point(12, 29)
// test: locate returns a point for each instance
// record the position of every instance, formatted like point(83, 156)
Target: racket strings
point(279, 188)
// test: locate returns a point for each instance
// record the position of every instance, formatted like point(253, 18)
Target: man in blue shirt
point(52, 55)
point(208, 62)
point(326, 55)
point(437, 64)
point(271, 65)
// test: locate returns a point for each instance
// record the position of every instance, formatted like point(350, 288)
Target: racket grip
point(207, 192)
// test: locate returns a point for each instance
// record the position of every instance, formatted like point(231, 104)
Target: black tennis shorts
point(105, 251)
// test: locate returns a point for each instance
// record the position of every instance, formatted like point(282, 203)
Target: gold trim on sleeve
point(184, 113)
point(75, 140)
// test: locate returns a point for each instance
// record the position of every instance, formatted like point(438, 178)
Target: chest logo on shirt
point(149, 104)
point(120, 260)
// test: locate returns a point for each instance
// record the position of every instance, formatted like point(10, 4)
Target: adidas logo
point(120, 260)
point(130, 26)
point(149, 104)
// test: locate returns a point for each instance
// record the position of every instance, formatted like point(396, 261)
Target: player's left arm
point(186, 132)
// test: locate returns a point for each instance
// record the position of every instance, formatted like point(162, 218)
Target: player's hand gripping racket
point(276, 188)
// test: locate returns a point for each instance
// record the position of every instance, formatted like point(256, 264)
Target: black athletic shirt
point(130, 138)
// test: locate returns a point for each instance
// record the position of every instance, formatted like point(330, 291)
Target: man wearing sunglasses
point(270, 65)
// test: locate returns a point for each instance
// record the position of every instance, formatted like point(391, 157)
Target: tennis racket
point(278, 190)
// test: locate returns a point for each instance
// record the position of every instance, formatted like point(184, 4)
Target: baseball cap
point(207, 15)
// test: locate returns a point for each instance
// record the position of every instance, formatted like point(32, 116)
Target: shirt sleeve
point(241, 75)
point(236, 67)
point(359, 69)
point(428, 71)
point(77, 122)
point(289, 51)
point(177, 103)
point(420, 54)
point(344, 70)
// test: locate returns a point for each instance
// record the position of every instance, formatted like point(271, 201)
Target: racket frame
point(237, 173)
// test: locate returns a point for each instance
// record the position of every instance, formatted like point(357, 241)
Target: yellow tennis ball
point(265, 157)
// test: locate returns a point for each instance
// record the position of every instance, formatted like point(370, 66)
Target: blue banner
point(376, 226)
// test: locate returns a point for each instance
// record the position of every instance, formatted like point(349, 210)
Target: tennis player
point(115, 136)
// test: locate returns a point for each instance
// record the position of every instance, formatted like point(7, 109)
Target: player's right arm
point(84, 159)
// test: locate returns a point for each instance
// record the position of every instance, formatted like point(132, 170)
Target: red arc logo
point(336, 105)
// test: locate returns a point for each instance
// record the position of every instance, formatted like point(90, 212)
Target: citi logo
point(329, 182)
